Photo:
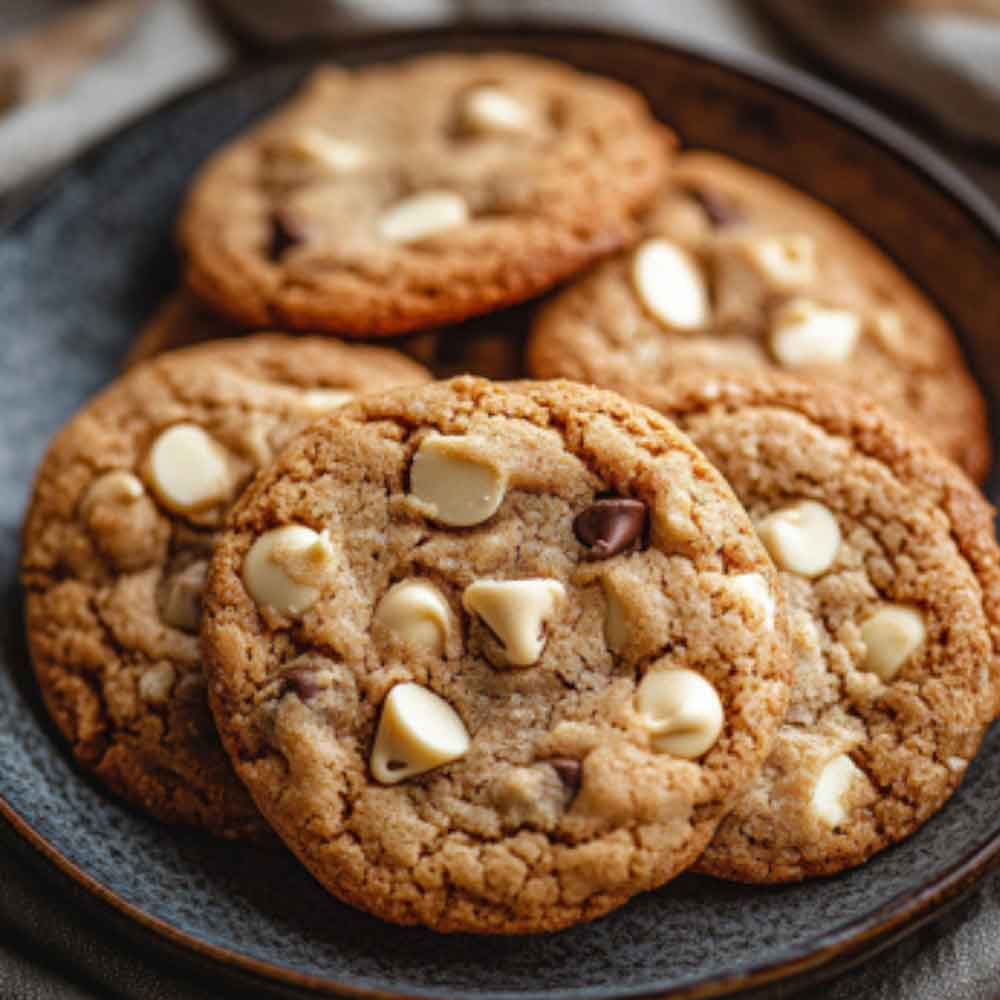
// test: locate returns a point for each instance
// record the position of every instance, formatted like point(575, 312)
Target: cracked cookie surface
point(739, 270)
point(126, 506)
point(493, 658)
point(890, 572)
point(401, 196)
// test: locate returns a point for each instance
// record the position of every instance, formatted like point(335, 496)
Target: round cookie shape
point(891, 578)
point(126, 506)
point(468, 752)
point(402, 196)
point(739, 270)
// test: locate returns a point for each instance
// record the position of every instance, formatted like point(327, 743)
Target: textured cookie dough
point(126, 506)
point(472, 755)
point(890, 572)
point(402, 196)
point(739, 270)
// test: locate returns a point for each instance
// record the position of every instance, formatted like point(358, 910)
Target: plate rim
point(838, 948)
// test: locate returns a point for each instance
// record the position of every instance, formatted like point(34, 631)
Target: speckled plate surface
point(87, 263)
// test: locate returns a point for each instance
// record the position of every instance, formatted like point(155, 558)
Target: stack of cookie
point(496, 656)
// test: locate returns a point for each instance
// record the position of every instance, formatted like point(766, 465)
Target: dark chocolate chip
point(303, 681)
point(720, 211)
point(568, 769)
point(609, 526)
point(284, 236)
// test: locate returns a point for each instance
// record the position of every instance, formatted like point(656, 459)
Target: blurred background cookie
point(738, 269)
point(400, 197)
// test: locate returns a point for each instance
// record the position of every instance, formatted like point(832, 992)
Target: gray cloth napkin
point(50, 945)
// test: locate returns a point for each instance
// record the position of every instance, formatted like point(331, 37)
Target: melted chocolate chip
point(720, 211)
point(303, 681)
point(568, 769)
point(610, 525)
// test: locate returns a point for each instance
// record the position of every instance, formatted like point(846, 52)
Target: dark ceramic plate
point(83, 266)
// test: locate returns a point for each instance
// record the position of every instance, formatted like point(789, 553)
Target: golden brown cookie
point(494, 658)
point(740, 270)
point(891, 576)
point(490, 347)
point(402, 196)
point(180, 320)
point(125, 510)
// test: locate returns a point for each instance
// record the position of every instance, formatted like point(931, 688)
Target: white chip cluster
point(454, 480)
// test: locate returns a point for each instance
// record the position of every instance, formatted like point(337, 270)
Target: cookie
point(117, 538)
point(490, 346)
point(402, 196)
point(493, 658)
point(740, 270)
point(180, 320)
point(890, 572)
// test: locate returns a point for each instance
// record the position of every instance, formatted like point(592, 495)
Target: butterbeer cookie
point(403, 196)
point(494, 658)
point(890, 572)
point(117, 539)
point(737, 269)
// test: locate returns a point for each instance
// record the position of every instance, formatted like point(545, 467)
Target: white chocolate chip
point(516, 611)
point(831, 788)
point(181, 606)
point(887, 326)
point(490, 109)
point(670, 284)
point(456, 481)
point(804, 334)
point(323, 400)
point(802, 539)
point(416, 611)
point(287, 568)
point(752, 587)
point(615, 623)
point(156, 683)
point(418, 732)
point(116, 487)
point(681, 711)
point(336, 155)
point(787, 262)
point(422, 215)
point(891, 636)
point(187, 469)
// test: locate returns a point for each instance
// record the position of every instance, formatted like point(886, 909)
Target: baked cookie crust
point(116, 544)
point(740, 270)
point(566, 784)
point(894, 630)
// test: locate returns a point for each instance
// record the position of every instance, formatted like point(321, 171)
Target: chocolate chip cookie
point(890, 572)
point(402, 196)
point(738, 269)
point(117, 539)
point(494, 658)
